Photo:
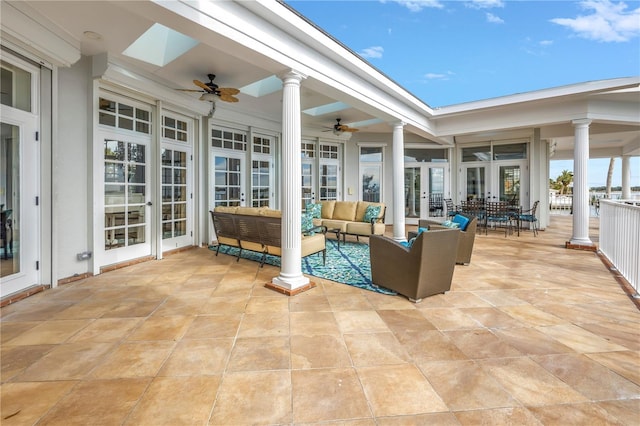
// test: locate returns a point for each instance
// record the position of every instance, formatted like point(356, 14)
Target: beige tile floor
point(531, 333)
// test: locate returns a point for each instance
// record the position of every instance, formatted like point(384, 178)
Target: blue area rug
point(347, 263)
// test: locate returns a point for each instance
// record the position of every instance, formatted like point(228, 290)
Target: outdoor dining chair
point(529, 216)
point(498, 214)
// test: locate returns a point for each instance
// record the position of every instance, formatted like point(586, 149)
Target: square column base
point(288, 291)
point(576, 246)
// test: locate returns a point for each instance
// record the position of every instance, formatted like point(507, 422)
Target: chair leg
point(324, 257)
point(239, 254)
point(218, 249)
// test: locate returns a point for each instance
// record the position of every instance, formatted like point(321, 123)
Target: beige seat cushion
point(332, 224)
point(364, 228)
point(310, 244)
point(225, 209)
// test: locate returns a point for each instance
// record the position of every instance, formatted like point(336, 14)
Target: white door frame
point(28, 227)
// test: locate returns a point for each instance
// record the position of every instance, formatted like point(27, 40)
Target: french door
point(126, 203)
point(228, 179)
point(177, 196)
point(510, 183)
point(426, 187)
point(475, 182)
point(19, 177)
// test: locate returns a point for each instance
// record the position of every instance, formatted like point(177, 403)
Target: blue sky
point(450, 52)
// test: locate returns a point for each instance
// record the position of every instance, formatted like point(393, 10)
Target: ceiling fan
point(340, 128)
point(211, 92)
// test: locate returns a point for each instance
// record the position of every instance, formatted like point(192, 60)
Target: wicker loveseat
point(259, 230)
point(348, 217)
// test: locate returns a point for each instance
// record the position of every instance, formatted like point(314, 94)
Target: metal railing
point(620, 237)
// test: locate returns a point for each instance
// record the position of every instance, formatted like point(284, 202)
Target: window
point(517, 151)
point(174, 129)
point(371, 173)
point(422, 155)
point(329, 151)
point(329, 179)
point(16, 87)
point(174, 193)
point(228, 139)
point(123, 116)
point(261, 145)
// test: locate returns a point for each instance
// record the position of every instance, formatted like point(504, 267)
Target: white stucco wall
point(70, 169)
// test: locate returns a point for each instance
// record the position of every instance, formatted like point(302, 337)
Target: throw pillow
point(372, 212)
point(307, 222)
point(451, 224)
point(462, 221)
point(315, 210)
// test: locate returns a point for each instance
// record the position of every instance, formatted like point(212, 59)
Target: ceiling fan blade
point(204, 86)
point(228, 91)
point(350, 129)
point(189, 90)
point(228, 98)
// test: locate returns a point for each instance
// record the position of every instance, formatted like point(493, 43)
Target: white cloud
point(372, 52)
point(484, 4)
point(494, 19)
point(438, 76)
point(546, 42)
point(418, 5)
point(608, 22)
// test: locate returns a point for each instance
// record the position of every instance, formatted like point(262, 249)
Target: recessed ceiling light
point(92, 35)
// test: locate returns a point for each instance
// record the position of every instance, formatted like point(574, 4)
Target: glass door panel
point(328, 182)
point(261, 183)
point(412, 190)
point(126, 198)
point(509, 184)
point(475, 183)
point(176, 197)
point(228, 183)
point(436, 185)
point(308, 193)
point(10, 200)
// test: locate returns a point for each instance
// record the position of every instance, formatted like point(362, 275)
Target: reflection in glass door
point(476, 183)
point(328, 182)
point(509, 182)
point(228, 180)
point(10, 200)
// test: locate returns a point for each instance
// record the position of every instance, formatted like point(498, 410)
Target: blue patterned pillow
point(315, 210)
point(451, 224)
point(372, 212)
point(307, 222)
point(461, 221)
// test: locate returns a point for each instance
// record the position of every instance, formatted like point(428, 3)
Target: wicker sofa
point(259, 230)
point(348, 217)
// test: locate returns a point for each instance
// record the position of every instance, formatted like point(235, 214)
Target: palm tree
point(564, 180)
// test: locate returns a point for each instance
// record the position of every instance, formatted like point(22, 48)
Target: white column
point(291, 277)
point(398, 182)
point(581, 184)
point(626, 177)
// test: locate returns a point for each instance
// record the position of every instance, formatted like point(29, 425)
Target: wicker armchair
point(422, 270)
point(467, 237)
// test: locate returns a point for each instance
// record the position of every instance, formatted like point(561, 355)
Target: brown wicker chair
point(422, 270)
point(467, 237)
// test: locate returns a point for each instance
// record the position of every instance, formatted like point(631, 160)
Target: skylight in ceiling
point(326, 109)
point(160, 45)
point(365, 123)
point(262, 87)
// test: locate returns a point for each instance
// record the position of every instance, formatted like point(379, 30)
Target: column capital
point(396, 124)
point(292, 76)
point(581, 122)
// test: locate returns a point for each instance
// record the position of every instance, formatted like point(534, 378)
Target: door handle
point(149, 203)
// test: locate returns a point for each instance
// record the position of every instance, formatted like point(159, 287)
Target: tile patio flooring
point(531, 333)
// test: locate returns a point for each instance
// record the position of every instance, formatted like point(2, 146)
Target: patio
point(531, 333)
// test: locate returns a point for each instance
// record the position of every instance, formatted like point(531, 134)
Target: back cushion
point(327, 209)
point(345, 210)
point(225, 209)
point(270, 212)
point(249, 211)
point(362, 209)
